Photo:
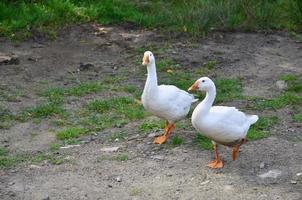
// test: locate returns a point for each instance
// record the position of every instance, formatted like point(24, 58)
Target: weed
point(117, 136)
point(69, 133)
point(261, 128)
point(228, 90)
point(85, 88)
point(210, 64)
point(287, 98)
point(41, 111)
point(297, 118)
point(121, 157)
point(150, 125)
point(203, 142)
point(176, 140)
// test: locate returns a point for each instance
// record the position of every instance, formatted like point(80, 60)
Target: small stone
point(262, 165)
point(110, 149)
point(271, 174)
point(110, 186)
point(169, 174)
point(34, 167)
point(46, 198)
point(70, 146)
point(293, 182)
point(157, 157)
point(8, 59)
point(299, 174)
point(11, 183)
point(205, 182)
point(281, 85)
point(118, 179)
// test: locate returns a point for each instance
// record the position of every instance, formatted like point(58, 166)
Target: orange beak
point(145, 60)
point(194, 87)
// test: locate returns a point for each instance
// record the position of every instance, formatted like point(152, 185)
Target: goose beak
point(194, 87)
point(145, 60)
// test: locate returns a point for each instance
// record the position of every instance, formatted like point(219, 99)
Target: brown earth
point(151, 172)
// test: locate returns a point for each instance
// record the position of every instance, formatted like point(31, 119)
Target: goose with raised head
point(223, 125)
point(164, 101)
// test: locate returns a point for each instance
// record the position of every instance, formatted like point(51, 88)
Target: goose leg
point(235, 149)
point(163, 138)
point(217, 163)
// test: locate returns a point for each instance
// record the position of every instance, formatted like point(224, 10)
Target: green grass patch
point(297, 118)
point(54, 94)
point(228, 90)
point(117, 136)
point(261, 128)
point(203, 142)
point(166, 64)
point(210, 64)
point(70, 133)
point(150, 125)
point(294, 82)
point(6, 116)
point(8, 161)
point(176, 140)
point(286, 98)
point(19, 18)
point(126, 107)
point(120, 158)
point(42, 111)
point(85, 88)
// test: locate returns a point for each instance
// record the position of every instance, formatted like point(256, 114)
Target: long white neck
point(151, 82)
point(204, 107)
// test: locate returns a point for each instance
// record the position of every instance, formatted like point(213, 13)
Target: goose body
point(164, 101)
point(222, 124)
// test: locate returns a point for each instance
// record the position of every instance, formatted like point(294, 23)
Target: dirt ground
point(266, 169)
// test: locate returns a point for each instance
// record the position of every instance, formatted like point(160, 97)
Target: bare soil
point(152, 171)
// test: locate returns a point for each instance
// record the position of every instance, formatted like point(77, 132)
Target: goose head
point(203, 84)
point(148, 58)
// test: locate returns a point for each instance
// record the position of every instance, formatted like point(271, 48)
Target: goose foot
point(160, 139)
point(216, 164)
point(163, 138)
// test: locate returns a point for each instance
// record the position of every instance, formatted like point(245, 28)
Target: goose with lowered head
point(223, 125)
point(164, 101)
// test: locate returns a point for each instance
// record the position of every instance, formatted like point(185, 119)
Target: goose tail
point(253, 119)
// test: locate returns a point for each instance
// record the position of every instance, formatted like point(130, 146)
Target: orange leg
point(235, 149)
point(217, 163)
point(163, 138)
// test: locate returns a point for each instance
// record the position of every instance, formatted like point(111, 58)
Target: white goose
point(165, 101)
point(224, 125)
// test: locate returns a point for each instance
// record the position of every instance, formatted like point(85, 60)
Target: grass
point(6, 160)
point(42, 111)
point(120, 158)
point(203, 142)
point(150, 125)
point(126, 107)
point(70, 133)
point(228, 90)
point(290, 97)
point(210, 64)
point(287, 98)
point(176, 140)
point(117, 136)
point(85, 88)
point(261, 128)
point(6, 116)
point(19, 18)
point(297, 118)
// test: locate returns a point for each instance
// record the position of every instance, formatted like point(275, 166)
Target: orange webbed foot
point(160, 139)
point(215, 164)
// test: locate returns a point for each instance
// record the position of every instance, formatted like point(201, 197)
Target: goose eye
point(203, 81)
